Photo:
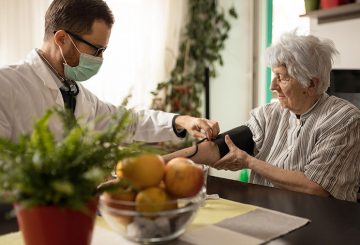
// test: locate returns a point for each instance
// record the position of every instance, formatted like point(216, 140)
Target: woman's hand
point(198, 127)
point(235, 160)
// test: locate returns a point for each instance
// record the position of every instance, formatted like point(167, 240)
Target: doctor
point(76, 35)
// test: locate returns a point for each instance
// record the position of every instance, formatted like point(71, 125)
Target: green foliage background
point(202, 43)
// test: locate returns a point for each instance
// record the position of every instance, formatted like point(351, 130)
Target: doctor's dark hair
point(76, 16)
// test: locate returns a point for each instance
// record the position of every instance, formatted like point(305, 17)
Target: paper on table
point(254, 227)
point(215, 235)
point(215, 211)
point(263, 224)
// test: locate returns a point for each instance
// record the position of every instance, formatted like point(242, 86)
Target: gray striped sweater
point(324, 143)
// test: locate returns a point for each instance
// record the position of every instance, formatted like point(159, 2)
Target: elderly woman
point(307, 141)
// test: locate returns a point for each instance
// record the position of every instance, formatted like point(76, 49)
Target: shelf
point(343, 12)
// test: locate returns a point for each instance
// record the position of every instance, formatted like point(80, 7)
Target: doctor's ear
point(60, 37)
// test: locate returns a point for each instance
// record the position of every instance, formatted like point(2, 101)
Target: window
point(142, 48)
point(286, 17)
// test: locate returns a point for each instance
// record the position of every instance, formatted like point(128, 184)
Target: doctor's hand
point(235, 160)
point(198, 127)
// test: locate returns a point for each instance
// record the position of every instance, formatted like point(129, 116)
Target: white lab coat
point(28, 90)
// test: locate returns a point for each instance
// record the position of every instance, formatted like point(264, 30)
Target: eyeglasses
point(98, 51)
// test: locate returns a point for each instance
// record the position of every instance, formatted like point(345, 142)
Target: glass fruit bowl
point(150, 227)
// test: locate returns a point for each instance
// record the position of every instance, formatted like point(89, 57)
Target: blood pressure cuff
point(242, 138)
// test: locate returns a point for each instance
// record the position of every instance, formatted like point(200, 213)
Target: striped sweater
point(324, 143)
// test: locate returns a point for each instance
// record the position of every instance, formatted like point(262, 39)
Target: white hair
point(305, 57)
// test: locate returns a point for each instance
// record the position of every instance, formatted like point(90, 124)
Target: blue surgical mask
point(88, 66)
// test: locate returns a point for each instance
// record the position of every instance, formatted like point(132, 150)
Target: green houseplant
point(54, 182)
point(200, 50)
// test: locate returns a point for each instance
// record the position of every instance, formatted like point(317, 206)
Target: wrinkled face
point(291, 94)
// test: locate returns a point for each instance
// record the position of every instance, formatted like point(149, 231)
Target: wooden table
point(332, 221)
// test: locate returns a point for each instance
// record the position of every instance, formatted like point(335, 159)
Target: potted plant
point(53, 183)
point(201, 45)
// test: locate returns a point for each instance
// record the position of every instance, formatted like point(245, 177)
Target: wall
point(346, 36)
point(231, 92)
point(21, 28)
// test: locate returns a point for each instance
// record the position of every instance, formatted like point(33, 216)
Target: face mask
point(88, 66)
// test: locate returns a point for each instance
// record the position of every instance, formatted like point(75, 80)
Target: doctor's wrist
point(177, 128)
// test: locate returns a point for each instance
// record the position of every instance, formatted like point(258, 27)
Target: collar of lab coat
point(41, 69)
point(44, 73)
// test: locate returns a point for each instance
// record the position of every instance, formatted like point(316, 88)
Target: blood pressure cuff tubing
point(242, 138)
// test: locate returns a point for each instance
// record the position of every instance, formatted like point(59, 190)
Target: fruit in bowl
point(143, 171)
point(151, 226)
point(153, 213)
point(183, 178)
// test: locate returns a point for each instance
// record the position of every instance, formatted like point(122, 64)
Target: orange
point(111, 198)
point(183, 178)
point(152, 199)
point(121, 193)
point(143, 171)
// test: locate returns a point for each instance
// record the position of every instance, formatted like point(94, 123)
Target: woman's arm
point(286, 179)
point(208, 153)
point(237, 159)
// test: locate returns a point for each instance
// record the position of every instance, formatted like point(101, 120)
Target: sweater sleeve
point(334, 161)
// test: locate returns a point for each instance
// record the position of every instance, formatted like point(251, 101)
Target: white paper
point(215, 235)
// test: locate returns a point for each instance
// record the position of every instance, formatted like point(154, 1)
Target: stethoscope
point(69, 86)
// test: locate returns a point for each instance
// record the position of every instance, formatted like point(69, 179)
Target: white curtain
point(142, 49)
point(21, 28)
